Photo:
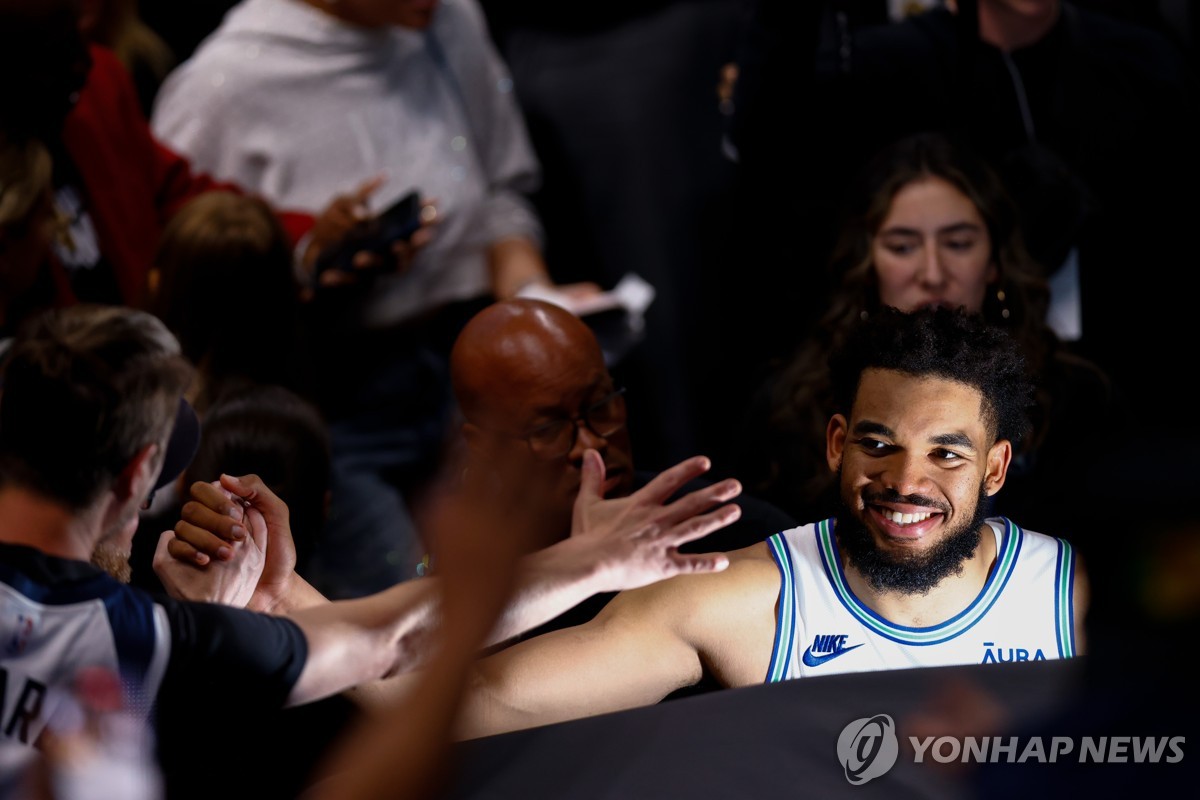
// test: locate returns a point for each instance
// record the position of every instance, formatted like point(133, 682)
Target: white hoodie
point(299, 106)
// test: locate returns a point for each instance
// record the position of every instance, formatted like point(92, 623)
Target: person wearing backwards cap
point(89, 403)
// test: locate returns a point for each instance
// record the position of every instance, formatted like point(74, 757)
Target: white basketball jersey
point(49, 632)
point(1023, 613)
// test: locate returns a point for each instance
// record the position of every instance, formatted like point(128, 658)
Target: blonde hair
point(25, 172)
point(218, 242)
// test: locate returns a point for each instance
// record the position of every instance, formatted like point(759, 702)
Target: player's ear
point(835, 441)
point(139, 473)
point(998, 458)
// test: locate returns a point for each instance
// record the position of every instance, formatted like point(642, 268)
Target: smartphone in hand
point(398, 222)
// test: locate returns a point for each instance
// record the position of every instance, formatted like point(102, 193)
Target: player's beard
point(114, 560)
point(906, 572)
point(112, 552)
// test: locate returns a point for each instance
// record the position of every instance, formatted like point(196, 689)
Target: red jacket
point(131, 183)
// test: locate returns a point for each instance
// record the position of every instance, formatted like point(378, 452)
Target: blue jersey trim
point(1071, 603)
point(858, 609)
point(781, 654)
point(131, 618)
point(130, 614)
point(96, 586)
point(1064, 607)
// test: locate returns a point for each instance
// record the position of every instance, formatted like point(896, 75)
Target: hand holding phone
point(377, 236)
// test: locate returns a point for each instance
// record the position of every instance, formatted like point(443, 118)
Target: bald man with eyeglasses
point(532, 385)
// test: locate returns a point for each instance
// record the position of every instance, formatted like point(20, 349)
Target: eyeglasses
point(604, 418)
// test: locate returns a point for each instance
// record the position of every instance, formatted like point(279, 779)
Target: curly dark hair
point(951, 344)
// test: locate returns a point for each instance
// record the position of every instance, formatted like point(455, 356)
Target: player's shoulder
point(1013, 534)
point(752, 559)
point(752, 576)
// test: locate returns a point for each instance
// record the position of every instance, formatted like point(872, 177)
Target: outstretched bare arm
point(615, 544)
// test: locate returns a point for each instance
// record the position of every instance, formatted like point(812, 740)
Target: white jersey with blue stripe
point(1023, 613)
point(49, 630)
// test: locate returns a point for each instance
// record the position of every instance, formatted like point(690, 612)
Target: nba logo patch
point(21, 628)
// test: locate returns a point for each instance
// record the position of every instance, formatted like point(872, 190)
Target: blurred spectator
point(223, 283)
point(27, 228)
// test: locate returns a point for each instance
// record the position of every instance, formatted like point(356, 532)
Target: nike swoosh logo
point(812, 660)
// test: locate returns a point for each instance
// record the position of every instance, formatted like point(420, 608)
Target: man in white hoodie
point(291, 97)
